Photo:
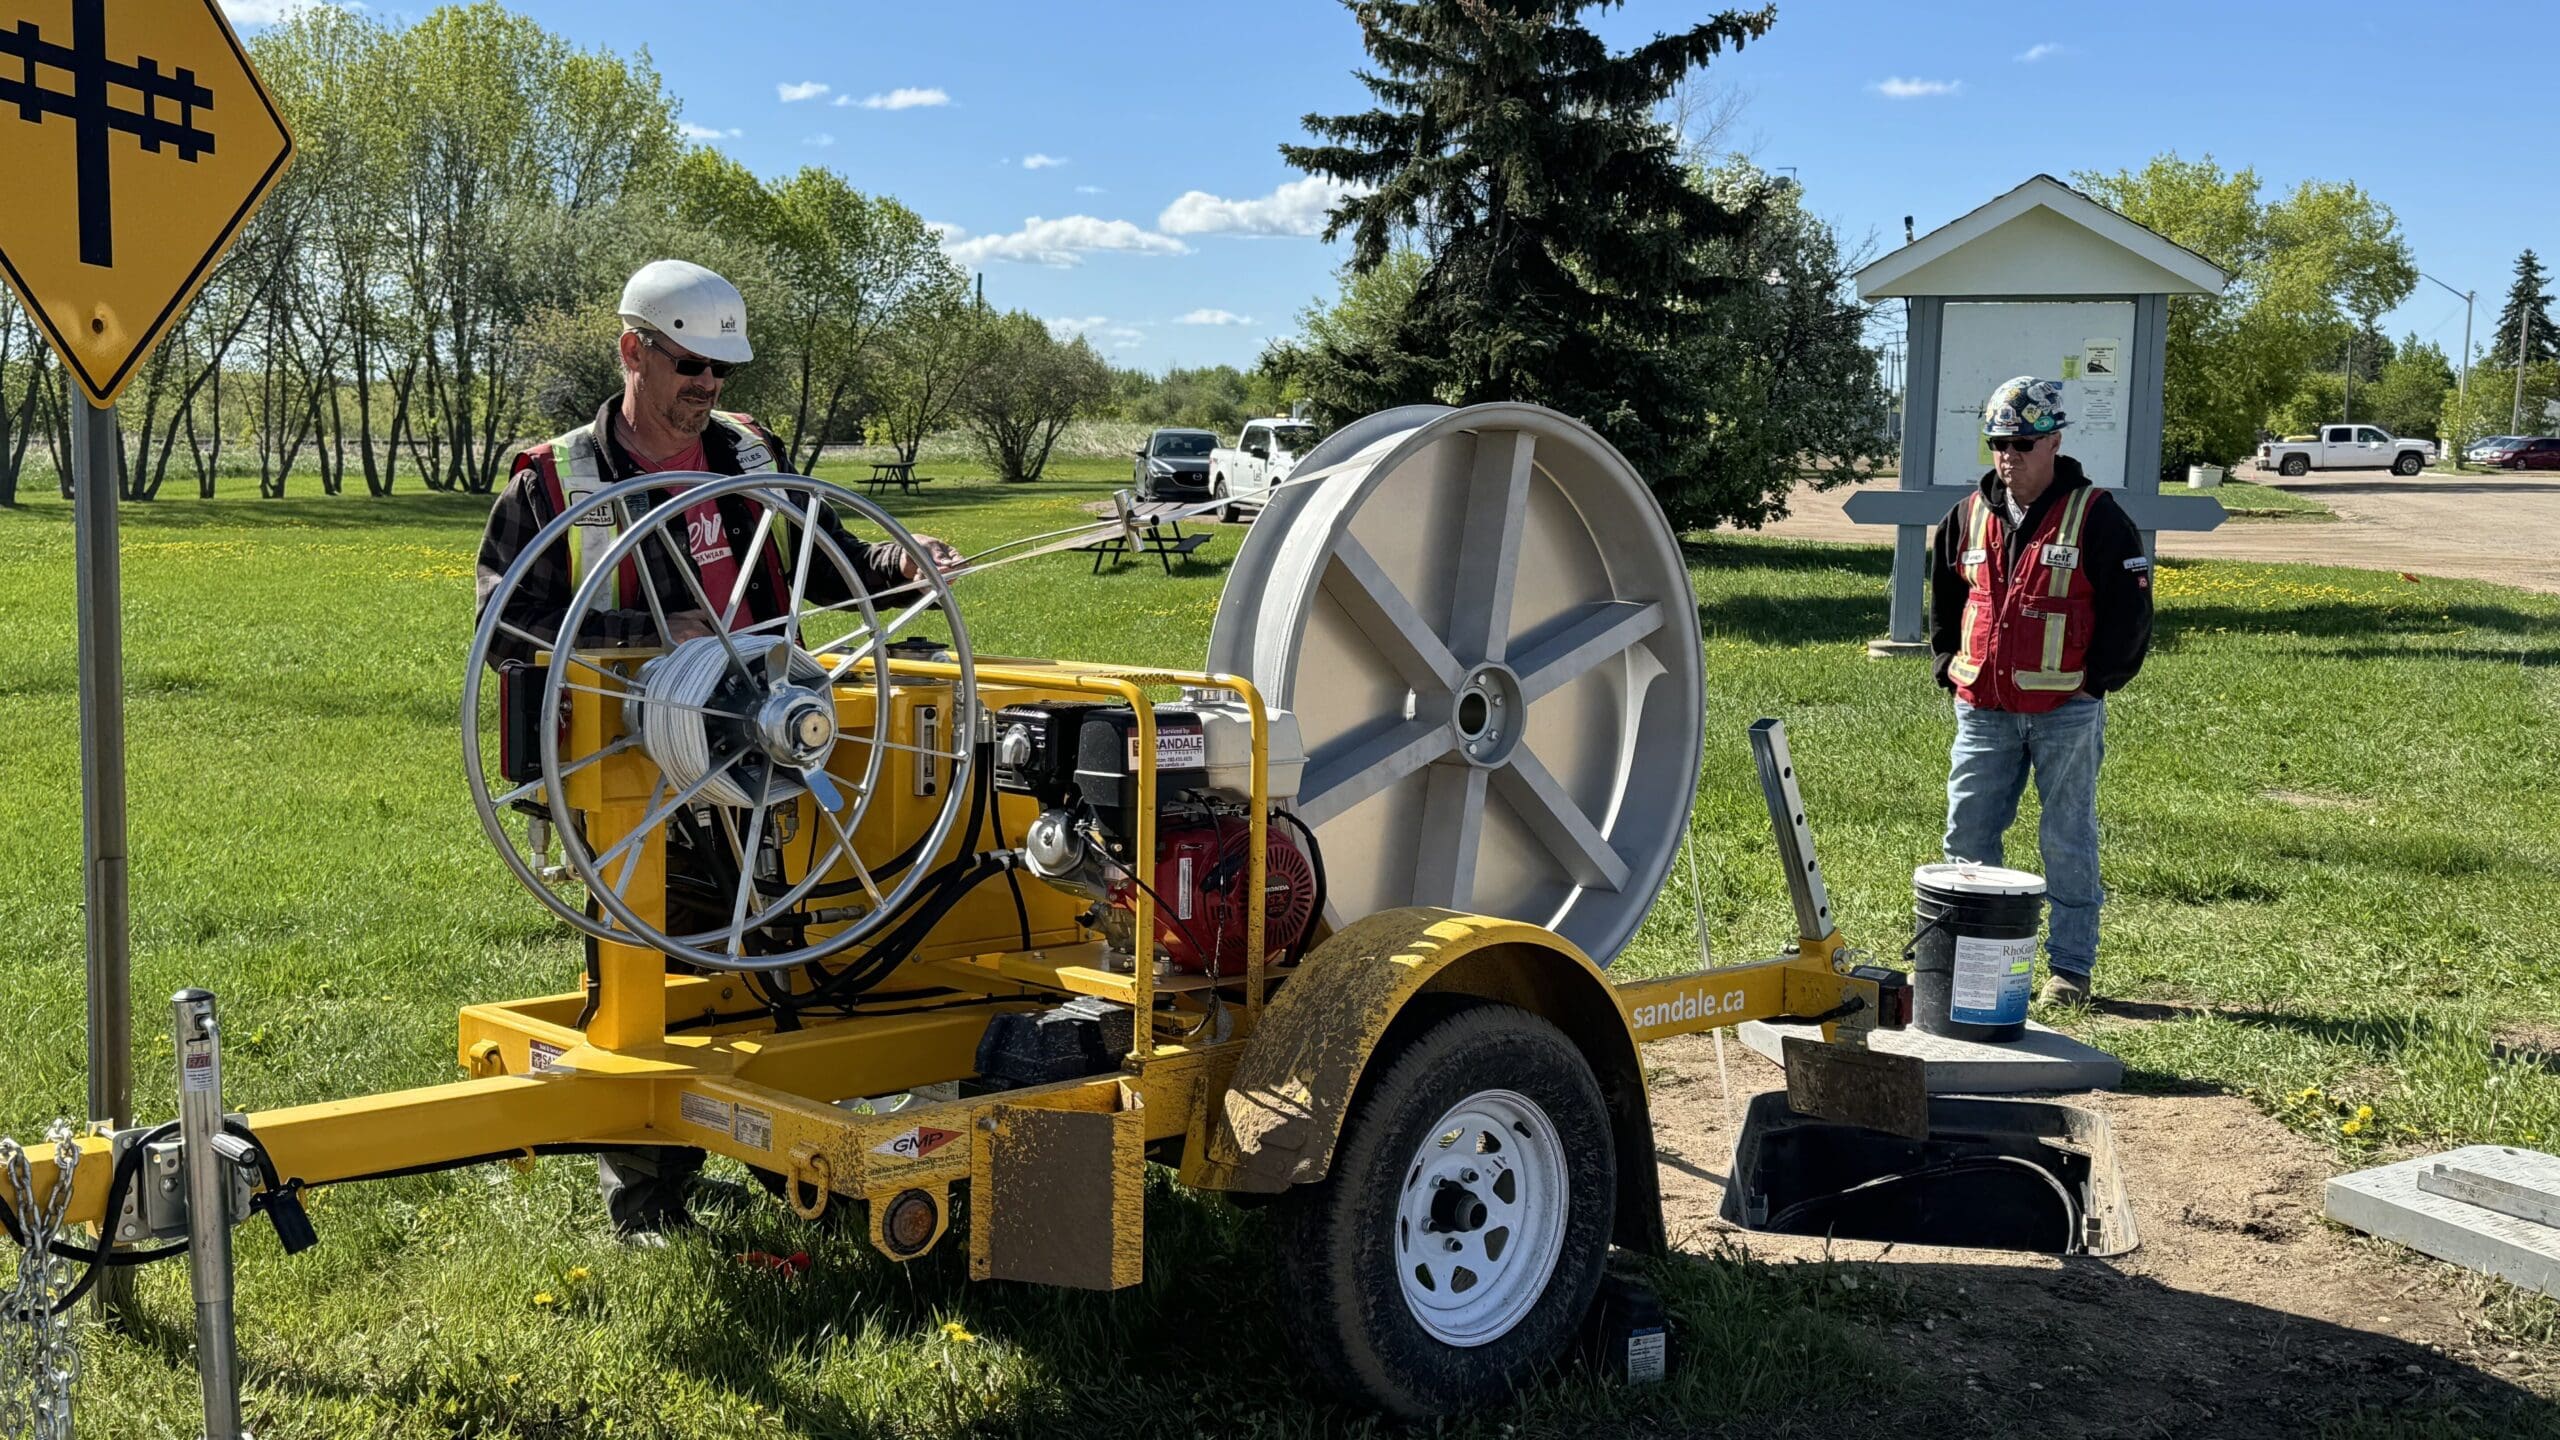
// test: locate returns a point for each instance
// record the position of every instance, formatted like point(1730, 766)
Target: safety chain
point(39, 1360)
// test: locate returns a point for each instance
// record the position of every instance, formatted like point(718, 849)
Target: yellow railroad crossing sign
point(134, 142)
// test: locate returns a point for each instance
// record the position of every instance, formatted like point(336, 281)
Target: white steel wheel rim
point(1480, 1218)
point(1484, 626)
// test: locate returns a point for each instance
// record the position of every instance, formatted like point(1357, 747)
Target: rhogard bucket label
point(1990, 982)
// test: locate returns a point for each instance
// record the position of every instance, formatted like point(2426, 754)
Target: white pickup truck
point(2347, 447)
point(1262, 457)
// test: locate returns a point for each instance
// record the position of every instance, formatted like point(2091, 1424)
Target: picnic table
point(901, 473)
point(1153, 527)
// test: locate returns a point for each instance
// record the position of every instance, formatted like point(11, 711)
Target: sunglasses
point(2014, 444)
point(689, 365)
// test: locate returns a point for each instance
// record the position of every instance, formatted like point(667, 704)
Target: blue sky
point(1113, 168)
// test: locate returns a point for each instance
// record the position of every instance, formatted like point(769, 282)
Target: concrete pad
point(2387, 1202)
point(2041, 1059)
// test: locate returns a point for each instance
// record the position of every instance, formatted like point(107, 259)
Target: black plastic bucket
point(1973, 949)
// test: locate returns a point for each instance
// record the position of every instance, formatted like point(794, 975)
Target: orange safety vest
point(2026, 635)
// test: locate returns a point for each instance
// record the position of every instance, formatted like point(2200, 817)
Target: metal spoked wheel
point(1484, 625)
point(1480, 1220)
point(739, 722)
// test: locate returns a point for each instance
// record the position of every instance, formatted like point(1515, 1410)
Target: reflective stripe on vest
point(577, 464)
point(2051, 676)
point(1966, 667)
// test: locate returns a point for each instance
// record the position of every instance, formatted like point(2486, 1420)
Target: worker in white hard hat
point(684, 331)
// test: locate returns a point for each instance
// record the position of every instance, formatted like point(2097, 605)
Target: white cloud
point(269, 12)
point(1064, 242)
point(1097, 328)
point(944, 230)
point(691, 131)
point(1042, 162)
point(1214, 317)
point(1899, 87)
point(902, 98)
point(2034, 53)
point(1297, 208)
point(1091, 190)
point(822, 140)
point(804, 90)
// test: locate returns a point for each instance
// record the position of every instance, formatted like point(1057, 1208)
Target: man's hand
point(945, 558)
point(687, 625)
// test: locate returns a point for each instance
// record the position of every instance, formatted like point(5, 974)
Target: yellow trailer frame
point(1249, 1097)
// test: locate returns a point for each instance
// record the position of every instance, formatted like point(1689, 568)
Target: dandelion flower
point(2351, 1127)
point(958, 1333)
point(578, 1272)
point(546, 1298)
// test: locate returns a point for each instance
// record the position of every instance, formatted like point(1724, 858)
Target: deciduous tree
point(1028, 385)
point(2302, 269)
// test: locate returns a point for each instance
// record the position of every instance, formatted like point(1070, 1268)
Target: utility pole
point(2524, 331)
point(2462, 387)
point(2348, 405)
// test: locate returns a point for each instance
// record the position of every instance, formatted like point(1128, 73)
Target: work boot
point(2061, 987)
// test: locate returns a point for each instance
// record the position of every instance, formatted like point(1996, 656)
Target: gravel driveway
point(2499, 525)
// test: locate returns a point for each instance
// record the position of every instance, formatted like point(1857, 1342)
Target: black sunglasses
point(2015, 444)
point(689, 365)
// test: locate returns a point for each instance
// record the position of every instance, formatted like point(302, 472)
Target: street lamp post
point(2462, 388)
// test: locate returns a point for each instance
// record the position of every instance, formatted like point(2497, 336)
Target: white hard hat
point(690, 305)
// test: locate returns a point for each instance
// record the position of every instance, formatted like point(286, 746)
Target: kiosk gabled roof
point(2042, 238)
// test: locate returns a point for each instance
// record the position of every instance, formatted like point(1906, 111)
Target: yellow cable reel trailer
point(1323, 924)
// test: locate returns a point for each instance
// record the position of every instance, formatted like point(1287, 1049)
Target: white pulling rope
point(1124, 521)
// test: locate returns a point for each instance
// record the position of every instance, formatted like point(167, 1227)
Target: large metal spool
point(1483, 622)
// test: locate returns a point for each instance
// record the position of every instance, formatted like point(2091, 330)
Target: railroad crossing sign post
point(135, 141)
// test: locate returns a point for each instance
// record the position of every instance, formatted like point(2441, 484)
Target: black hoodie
point(2111, 555)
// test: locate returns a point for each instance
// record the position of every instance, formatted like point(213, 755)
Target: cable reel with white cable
point(739, 723)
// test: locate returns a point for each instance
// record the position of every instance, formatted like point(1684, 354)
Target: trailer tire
point(1484, 1090)
point(2409, 463)
point(2294, 465)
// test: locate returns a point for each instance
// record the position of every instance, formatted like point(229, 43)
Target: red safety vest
point(2026, 635)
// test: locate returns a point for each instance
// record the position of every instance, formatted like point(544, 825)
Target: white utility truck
point(1263, 457)
point(2347, 447)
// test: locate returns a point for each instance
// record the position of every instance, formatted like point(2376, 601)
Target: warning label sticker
point(704, 1111)
point(915, 1143)
point(545, 1057)
point(1648, 1357)
point(1990, 982)
point(752, 1128)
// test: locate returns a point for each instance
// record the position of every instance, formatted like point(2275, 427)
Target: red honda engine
point(1200, 872)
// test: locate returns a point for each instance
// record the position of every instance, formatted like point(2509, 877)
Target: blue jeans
point(1987, 772)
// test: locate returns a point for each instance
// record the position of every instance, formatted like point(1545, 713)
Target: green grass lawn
point(2331, 851)
point(2247, 500)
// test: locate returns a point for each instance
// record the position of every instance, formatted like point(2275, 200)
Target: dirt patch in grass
point(2313, 800)
point(2243, 1312)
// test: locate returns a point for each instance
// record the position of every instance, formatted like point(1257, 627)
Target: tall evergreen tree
point(2526, 297)
point(1568, 252)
